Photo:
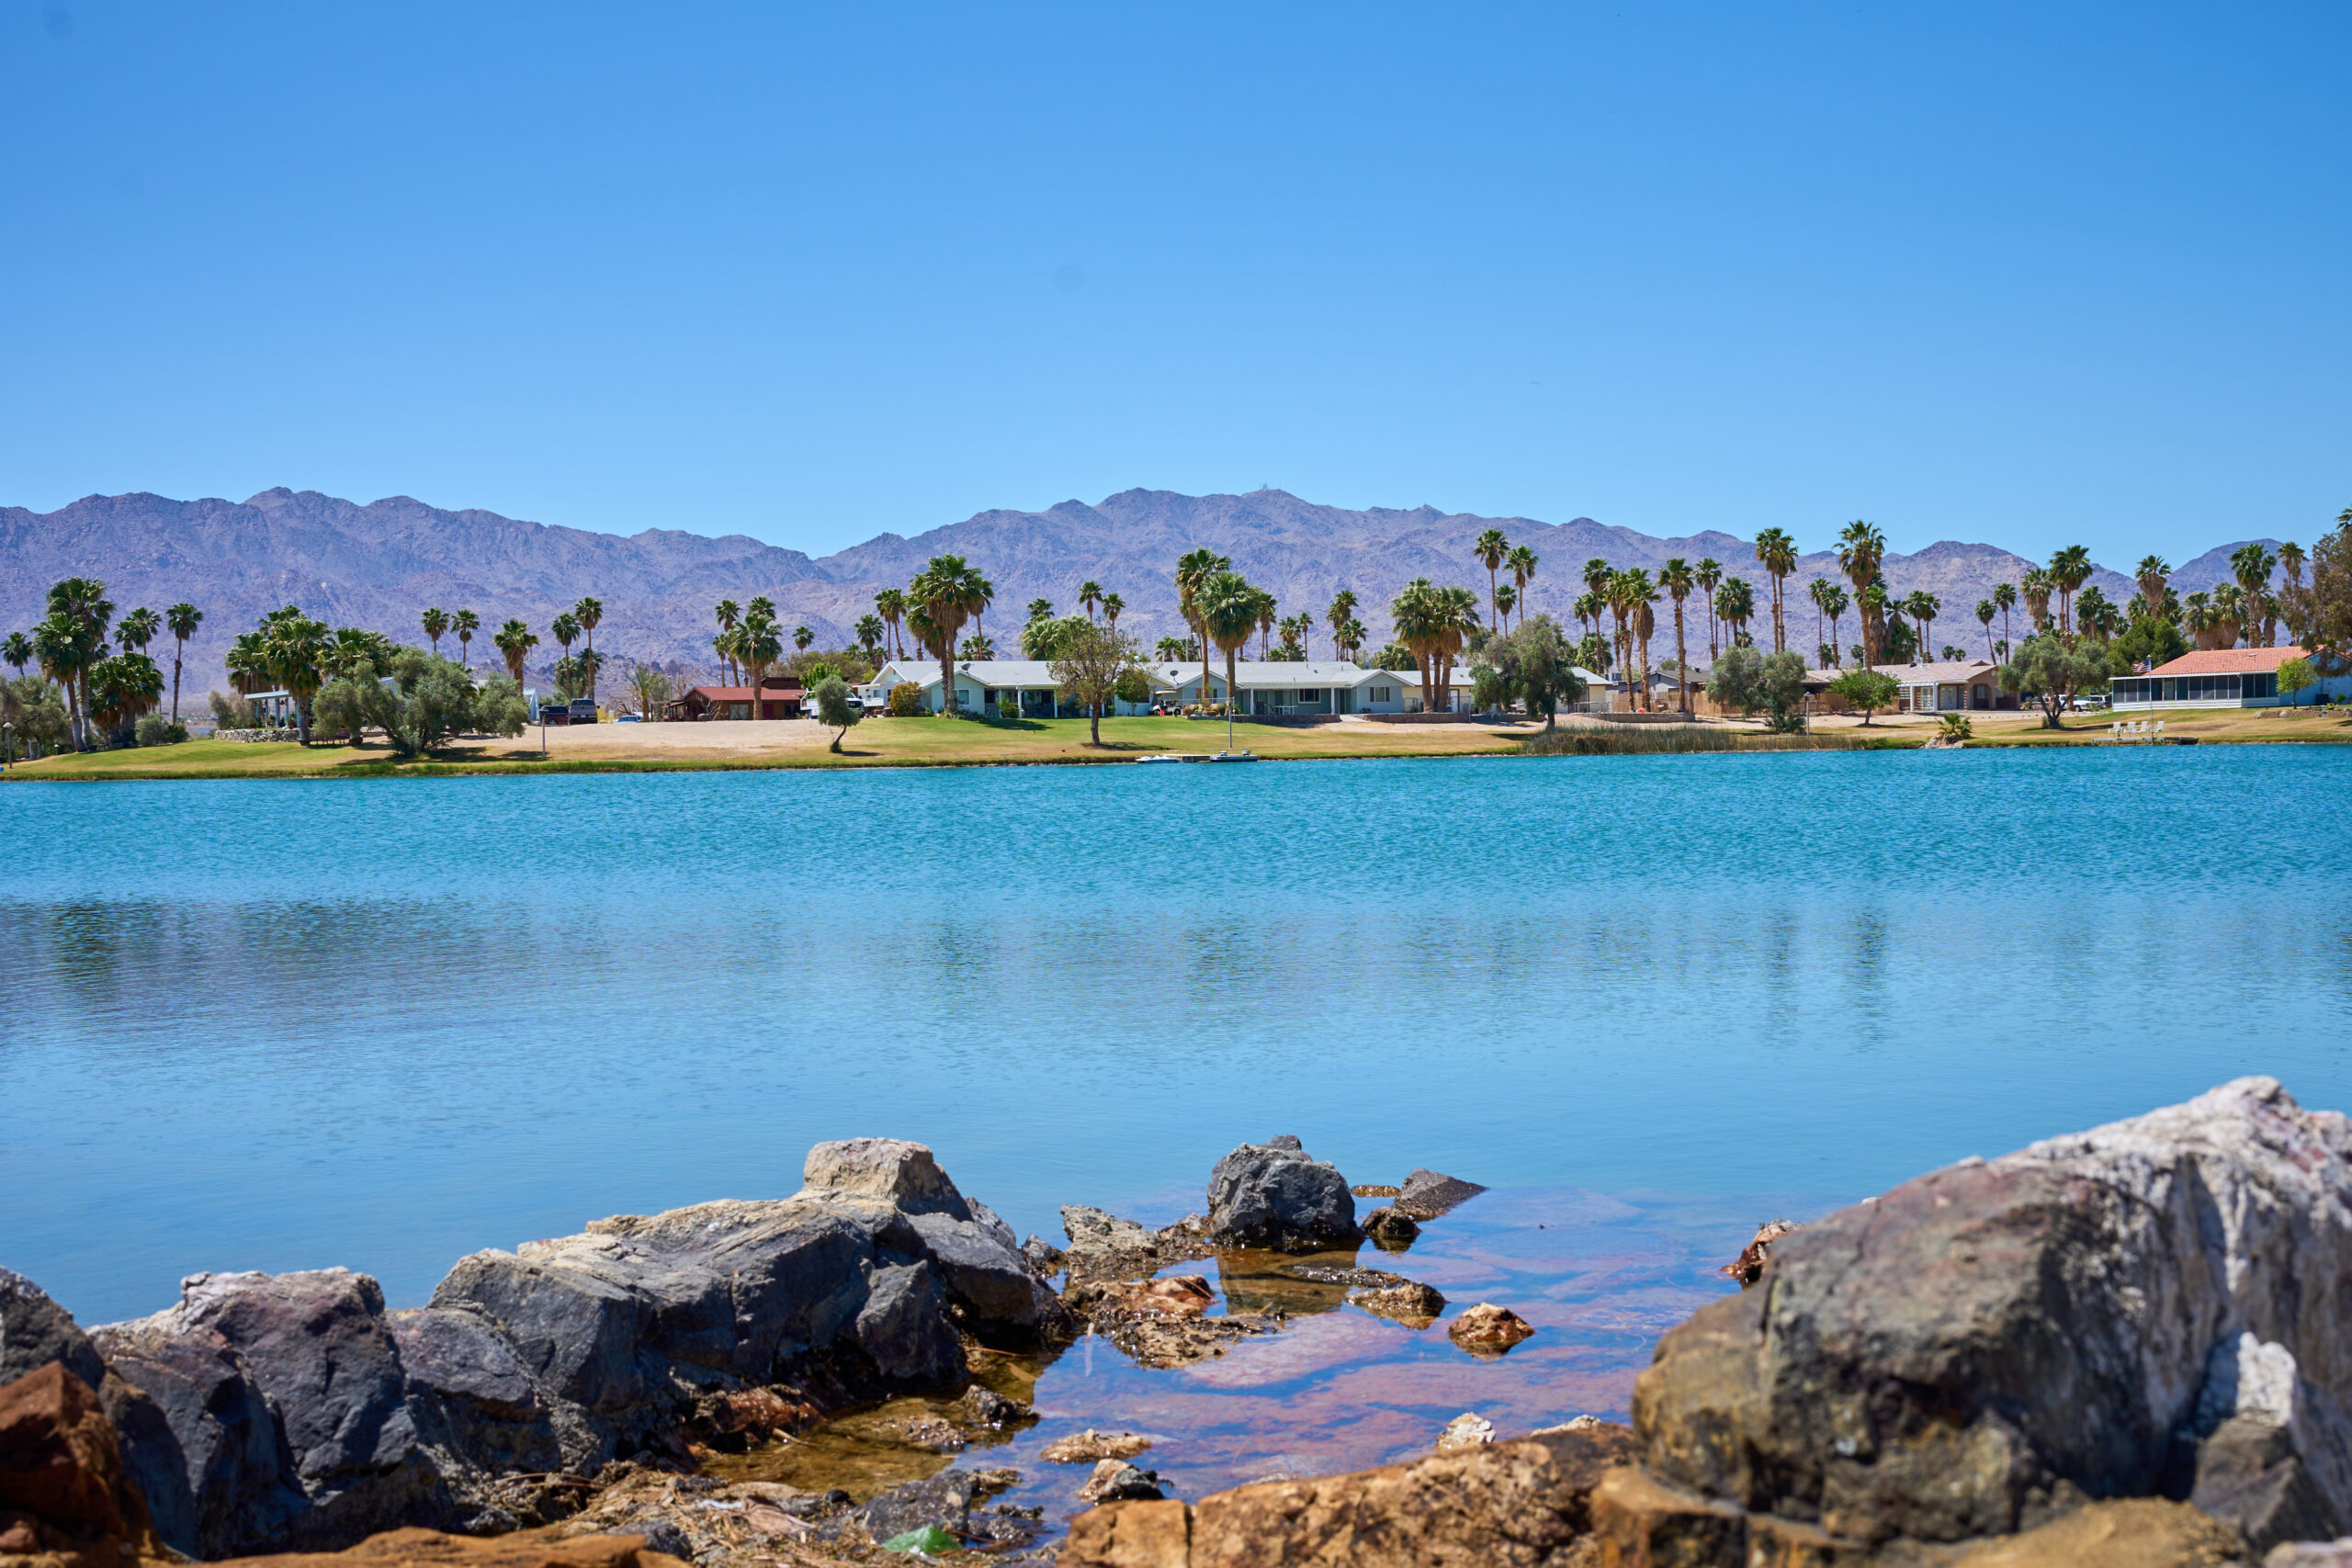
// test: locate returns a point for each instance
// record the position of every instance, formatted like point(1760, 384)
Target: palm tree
point(1174, 649)
point(869, 636)
point(758, 644)
point(1041, 609)
point(19, 651)
point(298, 649)
point(137, 630)
point(2290, 561)
point(588, 612)
point(1341, 611)
point(891, 605)
point(2252, 564)
point(1642, 594)
point(730, 614)
point(1985, 616)
point(2069, 569)
point(949, 591)
point(2197, 618)
point(1587, 609)
point(801, 637)
point(566, 631)
point(1195, 567)
point(83, 612)
point(1507, 600)
point(2229, 614)
point(2037, 587)
point(1861, 548)
point(1089, 593)
point(1776, 552)
point(1414, 620)
point(514, 641)
point(435, 623)
point(1492, 550)
point(1709, 575)
point(2005, 599)
point(466, 623)
point(1229, 610)
point(1113, 605)
point(1735, 606)
point(2151, 574)
point(248, 664)
point(1677, 578)
point(1833, 602)
point(1350, 638)
point(1923, 607)
point(1522, 561)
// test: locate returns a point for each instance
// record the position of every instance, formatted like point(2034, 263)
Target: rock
point(1089, 1446)
point(1489, 1330)
point(2310, 1554)
point(1748, 1267)
point(1391, 1229)
point(1270, 1195)
point(1116, 1481)
point(1937, 1364)
point(63, 1487)
point(943, 1500)
point(1409, 1303)
point(430, 1549)
point(1097, 1231)
point(1376, 1191)
point(1427, 1194)
point(985, 1407)
point(1177, 1295)
point(1465, 1431)
point(1515, 1505)
point(1043, 1257)
point(1323, 1274)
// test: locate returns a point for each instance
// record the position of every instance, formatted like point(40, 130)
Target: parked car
point(584, 710)
point(629, 718)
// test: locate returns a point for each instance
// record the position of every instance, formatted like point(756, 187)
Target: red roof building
point(2224, 678)
point(778, 699)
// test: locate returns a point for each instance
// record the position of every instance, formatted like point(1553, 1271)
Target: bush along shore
point(2124, 1346)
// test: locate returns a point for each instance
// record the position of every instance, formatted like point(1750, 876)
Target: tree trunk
point(175, 685)
point(1232, 697)
point(1681, 663)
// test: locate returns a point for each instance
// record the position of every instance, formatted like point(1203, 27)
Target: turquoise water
point(384, 1024)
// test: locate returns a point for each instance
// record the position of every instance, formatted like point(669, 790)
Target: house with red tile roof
point(779, 698)
point(2223, 678)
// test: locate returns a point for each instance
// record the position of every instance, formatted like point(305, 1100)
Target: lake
point(281, 1025)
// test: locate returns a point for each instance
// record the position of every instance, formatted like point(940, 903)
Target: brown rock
point(1467, 1430)
point(431, 1548)
point(1115, 1480)
point(1516, 1505)
point(1427, 1194)
point(2132, 1532)
point(1489, 1330)
point(1177, 1295)
point(1748, 1267)
point(1409, 1303)
point(61, 1473)
point(1391, 1229)
point(1087, 1447)
point(1375, 1191)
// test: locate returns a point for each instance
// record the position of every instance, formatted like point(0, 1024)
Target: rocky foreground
point(2131, 1345)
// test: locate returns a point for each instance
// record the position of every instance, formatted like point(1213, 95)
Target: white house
point(1947, 688)
point(1271, 690)
point(982, 684)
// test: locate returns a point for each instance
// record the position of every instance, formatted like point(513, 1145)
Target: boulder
point(1512, 1505)
point(2156, 1305)
point(1116, 1481)
point(1748, 1267)
point(1489, 1330)
point(1090, 1446)
point(431, 1548)
point(1467, 1430)
point(1391, 1229)
point(1428, 1194)
point(1409, 1302)
point(1272, 1195)
point(62, 1486)
point(1177, 1295)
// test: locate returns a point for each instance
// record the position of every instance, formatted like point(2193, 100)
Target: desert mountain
point(381, 564)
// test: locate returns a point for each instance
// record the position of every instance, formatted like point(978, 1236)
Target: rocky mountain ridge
point(381, 564)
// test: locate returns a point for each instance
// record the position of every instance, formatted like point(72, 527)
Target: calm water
point(384, 1024)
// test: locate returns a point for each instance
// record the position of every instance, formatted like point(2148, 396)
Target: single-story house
point(982, 686)
point(1955, 688)
point(779, 698)
point(2223, 677)
point(1276, 689)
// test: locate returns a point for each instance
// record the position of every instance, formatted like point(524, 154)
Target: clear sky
point(2033, 273)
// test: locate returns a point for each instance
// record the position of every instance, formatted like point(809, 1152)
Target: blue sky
point(2034, 273)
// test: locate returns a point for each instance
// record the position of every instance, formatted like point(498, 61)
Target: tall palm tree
point(1642, 594)
point(466, 623)
point(139, 629)
point(1861, 548)
point(2290, 561)
point(1736, 606)
point(1113, 607)
point(1677, 578)
point(2231, 613)
point(1350, 638)
point(1923, 607)
point(1041, 609)
point(758, 644)
point(2038, 586)
point(1776, 552)
point(1192, 569)
point(565, 630)
point(1709, 575)
point(730, 614)
point(1523, 562)
point(891, 605)
point(1174, 649)
point(84, 612)
point(869, 636)
point(2251, 564)
point(1229, 610)
point(298, 649)
point(1415, 618)
point(2005, 599)
point(1492, 550)
point(1341, 611)
point(1819, 590)
point(950, 592)
point(2069, 569)
point(248, 664)
point(1587, 609)
point(1507, 600)
point(1266, 619)
point(18, 650)
point(588, 612)
point(514, 641)
point(60, 644)
point(435, 623)
point(1985, 616)
point(1089, 593)
point(801, 637)
point(181, 620)
point(2151, 575)
point(2197, 618)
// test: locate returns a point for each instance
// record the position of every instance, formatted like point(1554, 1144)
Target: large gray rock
point(2160, 1304)
point(1272, 1195)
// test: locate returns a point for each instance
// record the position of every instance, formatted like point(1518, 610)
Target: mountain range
point(381, 564)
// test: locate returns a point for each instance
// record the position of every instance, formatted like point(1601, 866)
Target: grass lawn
point(880, 742)
point(2205, 725)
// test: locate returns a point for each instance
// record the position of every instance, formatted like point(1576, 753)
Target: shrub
point(906, 700)
point(1865, 690)
point(154, 729)
point(1133, 686)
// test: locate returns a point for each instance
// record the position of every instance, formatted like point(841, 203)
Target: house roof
point(2230, 662)
point(739, 693)
point(1956, 673)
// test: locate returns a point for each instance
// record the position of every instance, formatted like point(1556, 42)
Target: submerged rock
point(1089, 1446)
point(1176, 1295)
point(1429, 1194)
point(1272, 1195)
point(1391, 1229)
point(1414, 1304)
point(1116, 1481)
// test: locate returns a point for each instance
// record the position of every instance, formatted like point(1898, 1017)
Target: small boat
point(1232, 757)
point(1176, 757)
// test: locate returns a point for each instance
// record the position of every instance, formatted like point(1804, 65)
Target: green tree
point(1134, 687)
point(588, 613)
point(565, 629)
point(18, 650)
point(1776, 552)
point(297, 650)
point(1531, 664)
point(835, 708)
point(1338, 613)
point(1984, 618)
point(1709, 575)
point(1090, 595)
point(1113, 607)
point(1523, 562)
point(1865, 690)
point(514, 641)
point(122, 688)
point(435, 623)
point(181, 620)
point(759, 643)
point(1173, 649)
point(869, 636)
point(728, 614)
point(1862, 547)
point(1093, 663)
point(2295, 676)
point(2069, 569)
point(949, 591)
point(1491, 549)
point(1750, 680)
point(1228, 608)
point(466, 623)
point(1195, 567)
point(35, 715)
point(891, 605)
point(71, 639)
point(650, 687)
point(139, 629)
point(2053, 673)
point(801, 637)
